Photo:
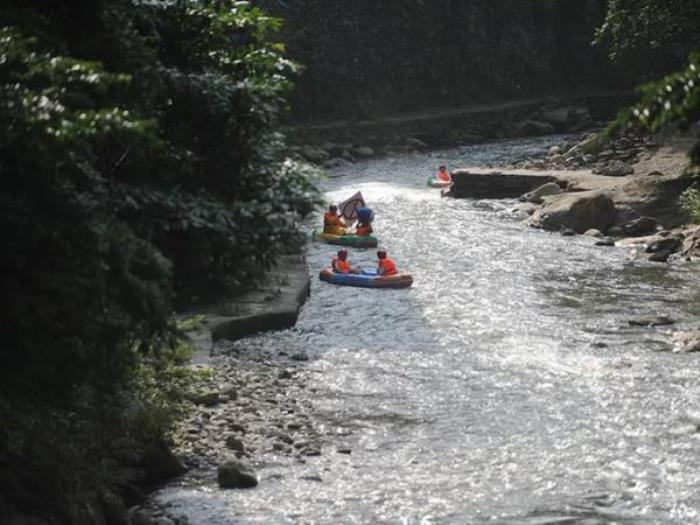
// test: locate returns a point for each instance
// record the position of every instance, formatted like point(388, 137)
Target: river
point(505, 386)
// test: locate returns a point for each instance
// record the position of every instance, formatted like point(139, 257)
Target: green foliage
point(634, 29)
point(139, 165)
point(690, 204)
point(672, 101)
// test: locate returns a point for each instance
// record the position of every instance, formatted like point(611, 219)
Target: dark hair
point(342, 254)
point(332, 207)
point(441, 167)
point(381, 254)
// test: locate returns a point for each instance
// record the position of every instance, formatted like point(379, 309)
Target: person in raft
point(332, 222)
point(364, 222)
point(385, 266)
point(442, 175)
point(340, 263)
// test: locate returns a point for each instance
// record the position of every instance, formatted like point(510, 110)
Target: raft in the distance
point(437, 183)
point(357, 241)
point(367, 279)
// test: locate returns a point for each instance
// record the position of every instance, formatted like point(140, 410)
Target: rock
point(553, 151)
point(207, 399)
point(312, 451)
point(312, 477)
point(691, 242)
point(579, 211)
point(300, 356)
point(284, 374)
point(616, 230)
point(534, 127)
point(660, 320)
point(568, 232)
point(160, 463)
point(661, 256)
point(234, 473)
point(336, 150)
point(234, 443)
point(593, 233)
point(686, 341)
point(535, 196)
point(237, 428)
point(416, 144)
point(669, 244)
point(578, 119)
point(557, 117)
point(141, 517)
point(346, 155)
point(605, 241)
point(344, 450)
point(334, 163)
point(164, 521)
point(314, 154)
point(113, 509)
point(640, 226)
point(615, 168)
point(362, 152)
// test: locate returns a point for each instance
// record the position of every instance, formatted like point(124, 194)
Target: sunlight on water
point(505, 386)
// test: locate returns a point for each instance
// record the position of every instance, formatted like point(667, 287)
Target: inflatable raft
point(367, 279)
point(358, 241)
point(437, 183)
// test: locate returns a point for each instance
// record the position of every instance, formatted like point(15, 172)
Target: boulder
point(691, 243)
point(160, 463)
point(362, 152)
point(553, 151)
point(686, 341)
point(640, 226)
point(348, 156)
point(416, 144)
point(579, 211)
point(593, 233)
point(234, 443)
point(234, 473)
point(534, 127)
point(557, 117)
point(535, 196)
point(660, 256)
point(314, 154)
point(659, 320)
point(605, 241)
point(666, 244)
point(335, 162)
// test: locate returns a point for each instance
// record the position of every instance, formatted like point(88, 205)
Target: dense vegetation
point(665, 32)
point(140, 165)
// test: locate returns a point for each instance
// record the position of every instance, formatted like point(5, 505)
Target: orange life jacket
point(443, 175)
point(387, 266)
point(340, 266)
point(363, 229)
point(332, 223)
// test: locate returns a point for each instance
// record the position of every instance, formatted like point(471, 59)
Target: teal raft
point(356, 241)
point(366, 279)
point(436, 183)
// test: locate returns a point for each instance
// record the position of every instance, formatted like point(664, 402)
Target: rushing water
point(505, 386)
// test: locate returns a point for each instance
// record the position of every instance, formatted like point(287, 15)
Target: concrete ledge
point(275, 305)
point(480, 183)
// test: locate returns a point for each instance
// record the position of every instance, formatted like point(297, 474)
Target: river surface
point(505, 386)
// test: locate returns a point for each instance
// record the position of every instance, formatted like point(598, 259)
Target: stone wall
point(367, 58)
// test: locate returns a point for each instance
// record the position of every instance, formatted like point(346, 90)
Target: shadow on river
point(505, 386)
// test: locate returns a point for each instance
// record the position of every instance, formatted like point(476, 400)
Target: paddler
point(340, 263)
point(332, 222)
point(385, 266)
point(443, 175)
point(364, 222)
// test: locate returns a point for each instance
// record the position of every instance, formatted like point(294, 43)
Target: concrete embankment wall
point(366, 59)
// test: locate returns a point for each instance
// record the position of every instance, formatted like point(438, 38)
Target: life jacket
point(340, 266)
point(388, 266)
point(332, 224)
point(445, 176)
point(363, 229)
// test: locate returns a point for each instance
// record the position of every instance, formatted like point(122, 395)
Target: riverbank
point(335, 144)
point(245, 405)
point(604, 196)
